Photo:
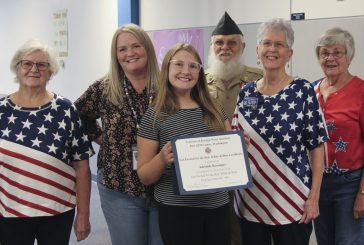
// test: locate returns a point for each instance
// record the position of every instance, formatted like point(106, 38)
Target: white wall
point(317, 9)
point(174, 14)
point(91, 24)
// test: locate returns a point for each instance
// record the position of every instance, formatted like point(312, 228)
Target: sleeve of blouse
point(88, 107)
point(315, 131)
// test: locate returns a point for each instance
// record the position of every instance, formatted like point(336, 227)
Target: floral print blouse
point(118, 131)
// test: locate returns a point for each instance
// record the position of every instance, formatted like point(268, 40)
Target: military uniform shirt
point(227, 97)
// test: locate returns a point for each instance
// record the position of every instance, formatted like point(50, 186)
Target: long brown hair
point(167, 102)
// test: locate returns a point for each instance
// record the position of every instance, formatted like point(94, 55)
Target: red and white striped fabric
point(282, 128)
point(278, 195)
point(33, 183)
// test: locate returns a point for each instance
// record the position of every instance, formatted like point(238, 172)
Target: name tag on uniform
point(251, 102)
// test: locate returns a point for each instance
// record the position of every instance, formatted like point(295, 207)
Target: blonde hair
point(116, 74)
point(166, 100)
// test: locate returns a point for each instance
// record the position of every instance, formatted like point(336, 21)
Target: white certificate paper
point(211, 162)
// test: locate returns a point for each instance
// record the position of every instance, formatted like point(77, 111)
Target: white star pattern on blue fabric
point(36, 142)
point(340, 145)
point(48, 117)
point(261, 110)
point(54, 129)
point(27, 124)
point(283, 119)
point(20, 137)
point(42, 130)
point(12, 119)
point(57, 136)
point(285, 116)
point(269, 118)
point(3, 102)
point(6, 132)
point(263, 130)
point(52, 148)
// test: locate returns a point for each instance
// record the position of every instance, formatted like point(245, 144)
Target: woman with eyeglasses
point(44, 173)
point(282, 116)
point(183, 106)
point(341, 96)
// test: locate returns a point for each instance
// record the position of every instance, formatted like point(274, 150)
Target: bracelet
point(361, 191)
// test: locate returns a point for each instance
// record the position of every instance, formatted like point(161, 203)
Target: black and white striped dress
point(184, 122)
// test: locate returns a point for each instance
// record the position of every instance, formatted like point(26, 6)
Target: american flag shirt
point(37, 149)
point(282, 127)
point(344, 115)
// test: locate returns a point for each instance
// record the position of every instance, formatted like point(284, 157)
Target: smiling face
point(273, 50)
point(333, 60)
point(131, 54)
point(183, 73)
point(228, 47)
point(33, 78)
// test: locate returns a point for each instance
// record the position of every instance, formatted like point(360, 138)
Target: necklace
point(136, 113)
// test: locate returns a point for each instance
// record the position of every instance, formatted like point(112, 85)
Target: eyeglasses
point(193, 67)
point(336, 55)
point(28, 65)
point(269, 43)
point(230, 43)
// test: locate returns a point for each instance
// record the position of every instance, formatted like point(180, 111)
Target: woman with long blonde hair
point(119, 100)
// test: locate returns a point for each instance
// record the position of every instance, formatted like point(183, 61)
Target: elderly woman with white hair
point(44, 170)
point(341, 96)
point(282, 116)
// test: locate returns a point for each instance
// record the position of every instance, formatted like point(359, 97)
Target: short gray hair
point(276, 24)
point(336, 35)
point(30, 47)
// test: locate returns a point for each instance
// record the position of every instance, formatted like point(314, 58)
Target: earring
point(288, 65)
point(258, 62)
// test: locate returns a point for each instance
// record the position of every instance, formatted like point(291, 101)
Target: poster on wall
point(163, 40)
point(60, 25)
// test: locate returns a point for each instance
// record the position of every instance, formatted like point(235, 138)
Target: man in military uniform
point(225, 76)
point(227, 73)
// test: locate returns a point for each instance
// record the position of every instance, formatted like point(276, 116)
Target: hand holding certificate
point(211, 162)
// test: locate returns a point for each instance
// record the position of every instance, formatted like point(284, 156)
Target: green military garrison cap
point(226, 26)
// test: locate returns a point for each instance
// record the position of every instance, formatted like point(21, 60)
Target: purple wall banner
point(163, 40)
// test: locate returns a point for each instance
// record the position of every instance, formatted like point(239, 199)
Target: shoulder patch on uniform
point(209, 77)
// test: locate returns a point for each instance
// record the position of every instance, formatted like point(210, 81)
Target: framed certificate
point(211, 162)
